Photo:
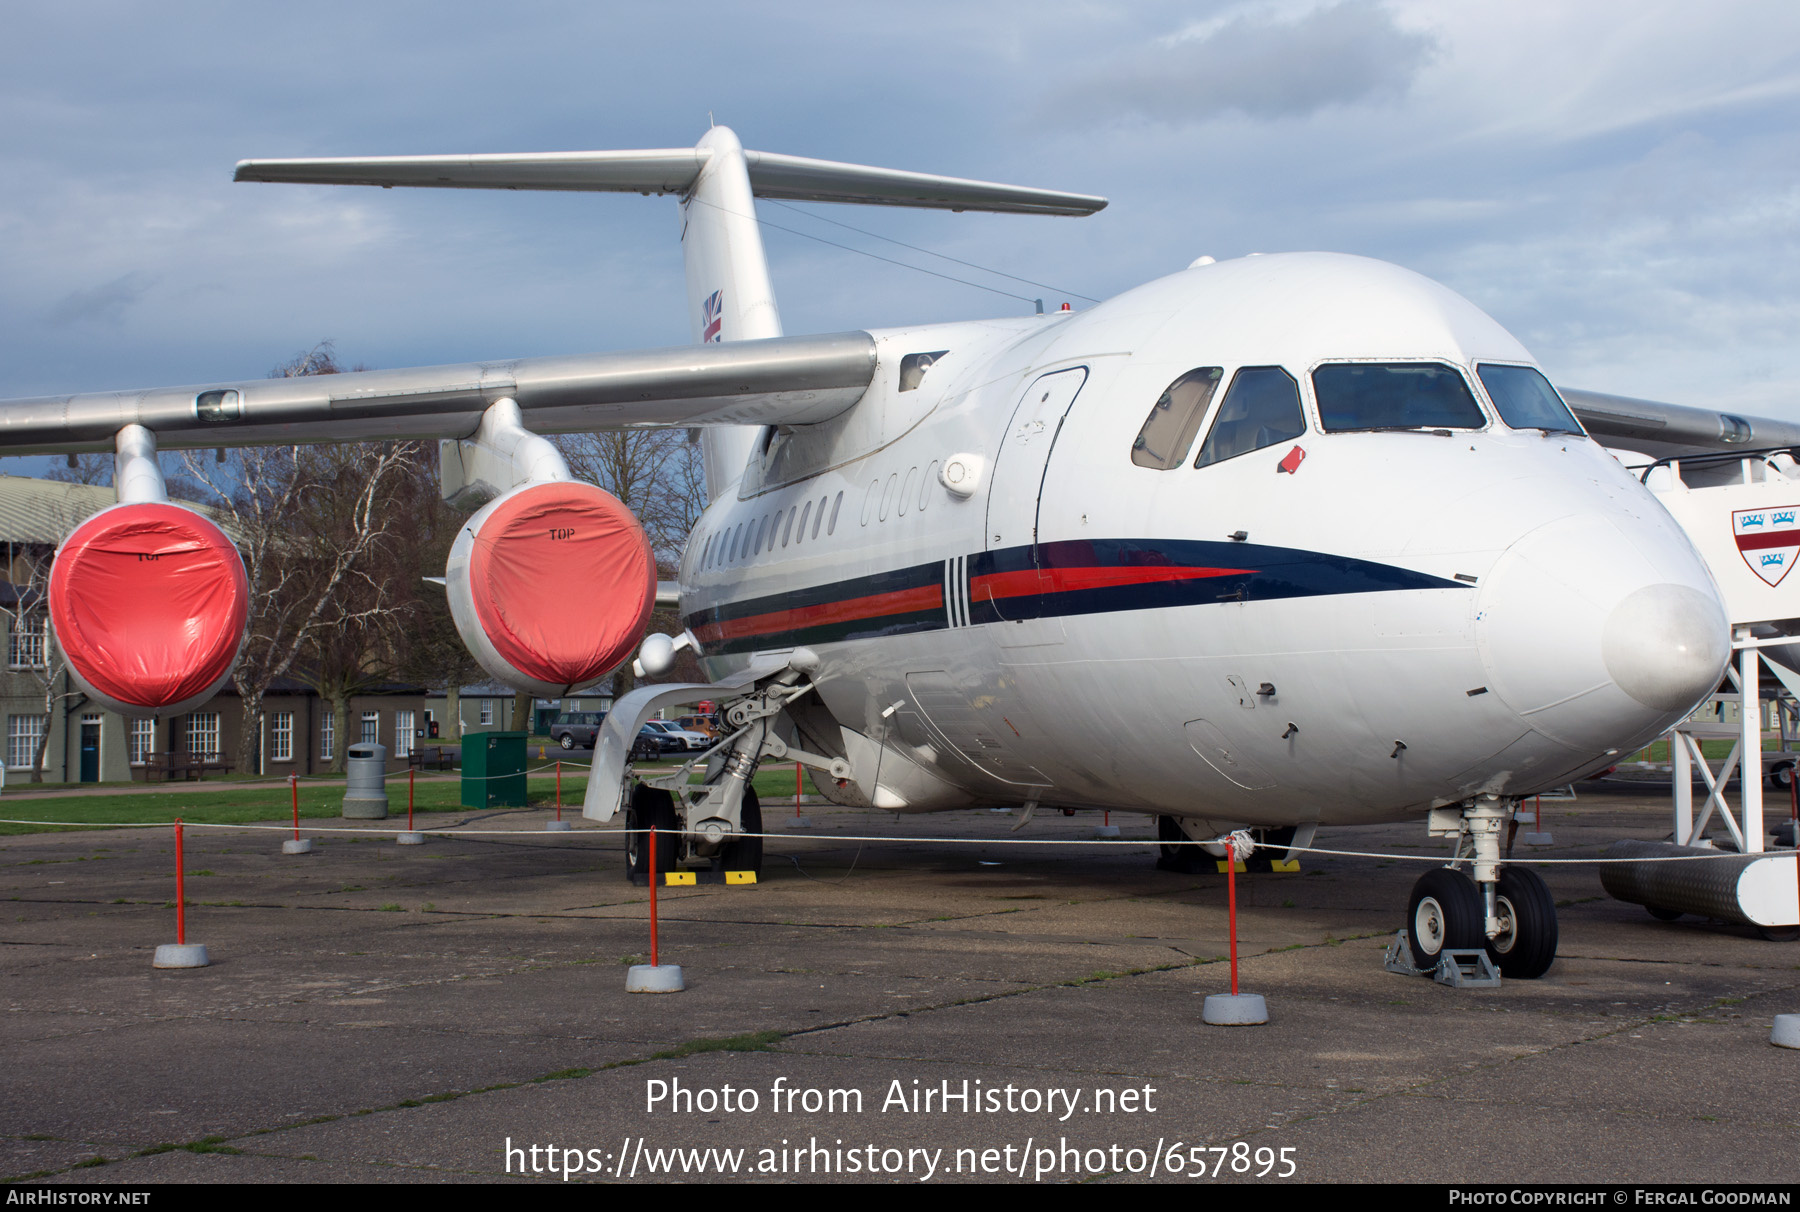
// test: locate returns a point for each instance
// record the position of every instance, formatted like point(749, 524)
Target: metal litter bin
point(365, 786)
point(493, 770)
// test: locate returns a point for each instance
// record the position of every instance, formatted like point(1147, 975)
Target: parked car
point(691, 742)
point(699, 723)
point(662, 742)
point(576, 729)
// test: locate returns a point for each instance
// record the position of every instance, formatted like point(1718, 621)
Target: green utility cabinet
point(493, 770)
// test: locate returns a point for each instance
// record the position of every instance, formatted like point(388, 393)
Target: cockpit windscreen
point(1526, 400)
point(1394, 395)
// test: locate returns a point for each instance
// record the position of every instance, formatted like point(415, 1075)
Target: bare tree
point(659, 475)
point(307, 521)
point(656, 473)
point(32, 648)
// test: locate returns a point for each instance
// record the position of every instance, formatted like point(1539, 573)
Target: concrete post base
point(558, 826)
point(1787, 1031)
point(799, 822)
point(659, 978)
point(181, 955)
point(1106, 831)
point(365, 809)
point(410, 839)
point(1234, 1010)
point(297, 845)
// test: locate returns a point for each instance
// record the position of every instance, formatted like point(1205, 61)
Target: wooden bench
point(168, 766)
point(434, 757)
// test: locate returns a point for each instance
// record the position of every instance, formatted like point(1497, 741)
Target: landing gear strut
point(1508, 910)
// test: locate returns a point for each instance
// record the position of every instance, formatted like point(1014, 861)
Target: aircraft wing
point(1666, 430)
point(786, 380)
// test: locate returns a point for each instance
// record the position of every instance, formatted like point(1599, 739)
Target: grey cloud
point(1261, 66)
point(104, 304)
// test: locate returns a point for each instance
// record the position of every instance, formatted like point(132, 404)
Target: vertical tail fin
point(729, 297)
point(728, 291)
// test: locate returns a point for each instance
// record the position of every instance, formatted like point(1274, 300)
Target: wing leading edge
point(786, 380)
point(1666, 430)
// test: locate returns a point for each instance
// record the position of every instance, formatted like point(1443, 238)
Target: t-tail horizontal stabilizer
point(674, 171)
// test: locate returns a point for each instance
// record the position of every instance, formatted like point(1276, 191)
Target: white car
point(692, 742)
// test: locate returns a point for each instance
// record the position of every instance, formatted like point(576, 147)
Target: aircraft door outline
point(1023, 460)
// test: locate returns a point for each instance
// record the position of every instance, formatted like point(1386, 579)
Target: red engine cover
point(562, 579)
point(148, 602)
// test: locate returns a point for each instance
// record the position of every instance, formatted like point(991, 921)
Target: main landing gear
point(1506, 910)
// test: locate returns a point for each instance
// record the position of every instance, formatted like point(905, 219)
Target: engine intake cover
point(148, 601)
point(551, 585)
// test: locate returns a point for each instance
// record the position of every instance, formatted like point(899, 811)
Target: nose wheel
point(1444, 914)
point(1506, 910)
point(1525, 946)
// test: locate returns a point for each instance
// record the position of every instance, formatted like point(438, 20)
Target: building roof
point(45, 511)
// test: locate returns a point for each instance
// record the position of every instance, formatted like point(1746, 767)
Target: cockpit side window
point(1394, 395)
point(1169, 432)
point(1261, 408)
point(1526, 400)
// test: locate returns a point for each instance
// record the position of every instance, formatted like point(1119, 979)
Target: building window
point(371, 728)
point(23, 733)
point(487, 711)
point(25, 646)
point(281, 736)
point(327, 736)
point(203, 735)
point(143, 741)
point(403, 733)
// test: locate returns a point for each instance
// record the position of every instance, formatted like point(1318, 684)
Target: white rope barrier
point(1232, 840)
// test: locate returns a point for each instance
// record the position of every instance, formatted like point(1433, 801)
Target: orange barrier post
point(180, 954)
point(652, 843)
point(180, 890)
point(296, 844)
point(655, 976)
point(1231, 895)
point(410, 837)
point(1234, 1009)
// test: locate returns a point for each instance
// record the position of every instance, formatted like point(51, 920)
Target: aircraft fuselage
point(1340, 625)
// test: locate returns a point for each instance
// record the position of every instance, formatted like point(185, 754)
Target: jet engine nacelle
point(551, 585)
point(148, 602)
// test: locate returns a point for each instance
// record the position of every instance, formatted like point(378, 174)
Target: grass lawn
point(1717, 750)
point(319, 800)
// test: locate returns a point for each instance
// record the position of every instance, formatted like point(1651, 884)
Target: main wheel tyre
point(745, 854)
point(1178, 853)
point(1526, 945)
point(566, 741)
point(1663, 915)
point(1444, 914)
point(650, 809)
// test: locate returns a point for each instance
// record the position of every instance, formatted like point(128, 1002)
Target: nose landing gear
point(1508, 910)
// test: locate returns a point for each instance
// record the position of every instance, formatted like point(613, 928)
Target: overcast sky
point(1614, 182)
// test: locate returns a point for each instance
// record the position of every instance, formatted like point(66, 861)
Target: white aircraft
point(1272, 543)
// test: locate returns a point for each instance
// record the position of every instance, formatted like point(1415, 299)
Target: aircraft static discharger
point(1272, 543)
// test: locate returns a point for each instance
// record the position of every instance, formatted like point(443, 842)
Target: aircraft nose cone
point(1599, 631)
point(1666, 645)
